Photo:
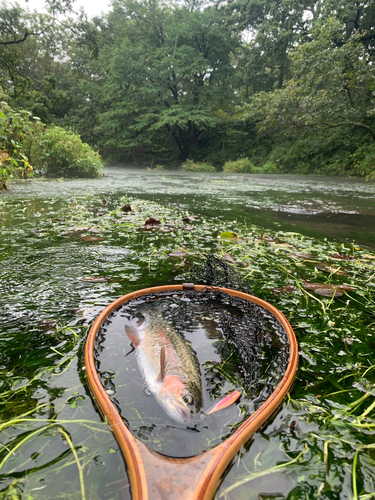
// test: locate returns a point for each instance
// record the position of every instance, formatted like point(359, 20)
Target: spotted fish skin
point(169, 366)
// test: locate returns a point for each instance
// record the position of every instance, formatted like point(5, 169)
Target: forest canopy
point(282, 85)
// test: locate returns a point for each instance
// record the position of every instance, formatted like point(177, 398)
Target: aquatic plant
point(319, 445)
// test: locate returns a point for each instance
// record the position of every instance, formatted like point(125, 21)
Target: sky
point(91, 7)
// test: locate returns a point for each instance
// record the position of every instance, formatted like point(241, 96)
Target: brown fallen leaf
point(326, 292)
point(327, 286)
point(268, 238)
point(126, 208)
point(178, 253)
point(331, 269)
point(229, 258)
point(285, 289)
point(152, 222)
point(95, 279)
point(92, 238)
point(302, 255)
point(47, 324)
point(343, 257)
point(75, 231)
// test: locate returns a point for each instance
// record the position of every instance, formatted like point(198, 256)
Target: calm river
point(54, 282)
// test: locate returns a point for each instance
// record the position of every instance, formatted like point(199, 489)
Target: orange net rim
point(221, 455)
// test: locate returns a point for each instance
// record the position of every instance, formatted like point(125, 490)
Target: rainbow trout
point(169, 366)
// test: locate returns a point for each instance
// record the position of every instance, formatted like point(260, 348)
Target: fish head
point(177, 400)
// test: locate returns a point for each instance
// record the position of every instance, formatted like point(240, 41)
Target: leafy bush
point(25, 141)
point(242, 166)
point(159, 167)
point(363, 161)
point(197, 166)
point(61, 152)
point(15, 132)
point(268, 168)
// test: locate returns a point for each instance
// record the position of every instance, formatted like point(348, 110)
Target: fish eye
point(188, 399)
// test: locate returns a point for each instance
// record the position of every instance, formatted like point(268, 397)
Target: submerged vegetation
point(79, 253)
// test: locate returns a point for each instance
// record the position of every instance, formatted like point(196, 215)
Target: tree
point(332, 87)
point(170, 72)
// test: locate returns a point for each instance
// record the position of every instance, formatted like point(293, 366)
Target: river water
point(53, 284)
point(337, 208)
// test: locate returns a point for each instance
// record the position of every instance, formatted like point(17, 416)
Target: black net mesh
point(259, 337)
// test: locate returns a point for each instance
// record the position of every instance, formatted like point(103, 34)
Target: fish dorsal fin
point(162, 365)
point(132, 333)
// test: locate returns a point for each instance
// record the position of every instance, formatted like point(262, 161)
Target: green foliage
point(243, 166)
point(53, 151)
point(16, 130)
point(197, 166)
point(363, 161)
point(62, 153)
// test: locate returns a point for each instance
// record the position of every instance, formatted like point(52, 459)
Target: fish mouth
point(178, 411)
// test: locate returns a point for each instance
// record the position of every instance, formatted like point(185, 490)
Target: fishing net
point(236, 343)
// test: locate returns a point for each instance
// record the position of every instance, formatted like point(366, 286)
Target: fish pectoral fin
point(225, 402)
point(132, 333)
point(161, 375)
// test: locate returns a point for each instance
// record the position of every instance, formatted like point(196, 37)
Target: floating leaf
point(327, 286)
point(178, 253)
point(344, 257)
point(229, 258)
point(47, 324)
point(92, 238)
point(152, 222)
point(75, 231)
point(327, 292)
point(95, 279)
point(302, 255)
point(229, 235)
point(285, 289)
point(331, 269)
